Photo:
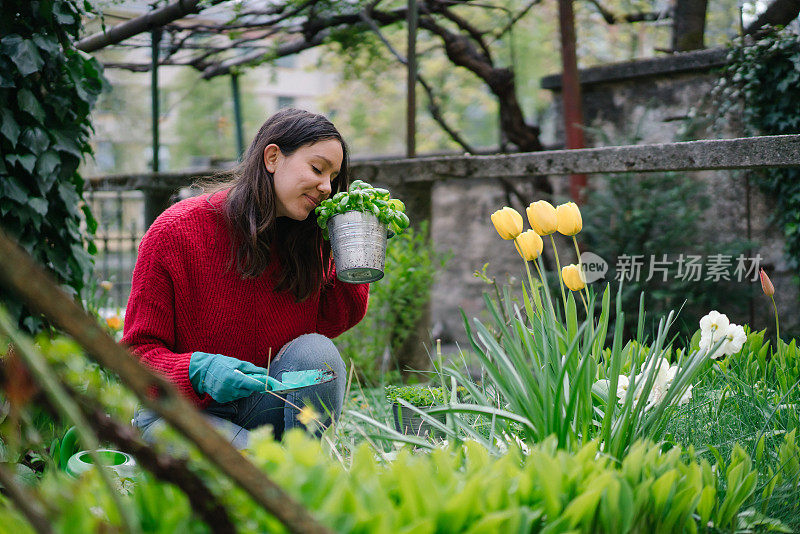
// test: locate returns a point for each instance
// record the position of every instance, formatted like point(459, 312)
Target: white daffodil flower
point(715, 324)
point(686, 397)
point(622, 386)
point(734, 339)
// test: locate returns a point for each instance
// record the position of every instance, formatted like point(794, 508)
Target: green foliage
point(396, 303)
point(420, 395)
point(546, 372)
point(749, 400)
point(762, 84)
point(362, 197)
point(47, 90)
point(652, 216)
point(458, 489)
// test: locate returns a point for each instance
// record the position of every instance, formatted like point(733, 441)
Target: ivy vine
point(762, 83)
point(47, 90)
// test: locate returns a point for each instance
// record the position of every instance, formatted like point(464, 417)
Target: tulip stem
point(560, 278)
point(580, 266)
point(586, 306)
point(777, 327)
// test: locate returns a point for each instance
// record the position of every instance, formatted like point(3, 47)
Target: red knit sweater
point(185, 299)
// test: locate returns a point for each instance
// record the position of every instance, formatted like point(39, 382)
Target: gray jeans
point(237, 418)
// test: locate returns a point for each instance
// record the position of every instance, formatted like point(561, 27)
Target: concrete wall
point(647, 99)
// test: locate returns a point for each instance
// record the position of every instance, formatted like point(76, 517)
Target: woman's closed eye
point(316, 170)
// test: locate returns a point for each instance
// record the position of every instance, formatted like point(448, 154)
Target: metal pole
point(155, 201)
point(237, 115)
point(571, 91)
point(156, 38)
point(411, 97)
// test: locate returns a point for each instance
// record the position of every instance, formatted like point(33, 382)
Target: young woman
point(239, 283)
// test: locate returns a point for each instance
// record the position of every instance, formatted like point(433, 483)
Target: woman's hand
point(224, 378)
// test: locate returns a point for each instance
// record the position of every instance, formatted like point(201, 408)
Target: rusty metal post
point(571, 93)
point(411, 78)
point(155, 200)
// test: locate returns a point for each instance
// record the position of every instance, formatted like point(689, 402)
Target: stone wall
point(646, 101)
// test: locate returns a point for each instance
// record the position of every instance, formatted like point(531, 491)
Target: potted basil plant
point(357, 223)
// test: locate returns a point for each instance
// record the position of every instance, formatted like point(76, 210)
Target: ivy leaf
point(45, 167)
point(6, 79)
point(11, 189)
point(29, 104)
point(70, 197)
point(28, 161)
point(63, 14)
point(39, 205)
point(66, 144)
point(91, 222)
point(47, 43)
point(35, 139)
point(23, 53)
point(9, 128)
point(5, 206)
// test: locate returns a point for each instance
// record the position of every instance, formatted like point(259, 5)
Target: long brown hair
point(256, 232)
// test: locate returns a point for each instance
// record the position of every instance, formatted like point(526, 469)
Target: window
point(104, 156)
point(287, 62)
point(286, 102)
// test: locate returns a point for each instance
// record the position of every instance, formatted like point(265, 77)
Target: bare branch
point(644, 16)
point(433, 105)
point(778, 13)
point(521, 13)
point(477, 35)
point(153, 19)
point(315, 32)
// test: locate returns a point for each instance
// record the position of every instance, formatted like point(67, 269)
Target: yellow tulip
point(569, 218)
point(573, 277)
point(542, 216)
point(508, 222)
point(529, 245)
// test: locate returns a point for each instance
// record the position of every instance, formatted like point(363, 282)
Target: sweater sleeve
point(149, 328)
point(341, 306)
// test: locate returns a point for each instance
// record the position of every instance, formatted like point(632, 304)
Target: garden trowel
point(292, 380)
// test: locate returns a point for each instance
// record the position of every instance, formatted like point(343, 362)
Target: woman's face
point(303, 179)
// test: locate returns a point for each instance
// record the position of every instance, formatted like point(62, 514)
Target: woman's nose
point(325, 187)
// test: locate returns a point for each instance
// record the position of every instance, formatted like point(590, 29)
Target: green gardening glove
point(224, 378)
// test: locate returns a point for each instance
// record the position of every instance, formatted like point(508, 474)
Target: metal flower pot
point(409, 422)
point(358, 241)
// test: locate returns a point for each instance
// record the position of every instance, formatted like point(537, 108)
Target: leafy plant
point(420, 395)
point(461, 489)
point(362, 197)
point(761, 83)
point(47, 90)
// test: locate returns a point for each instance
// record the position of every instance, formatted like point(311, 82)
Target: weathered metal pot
point(358, 241)
point(410, 423)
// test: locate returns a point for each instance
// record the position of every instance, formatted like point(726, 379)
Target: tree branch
point(477, 35)
point(516, 18)
point(778, 13)
point(643, 16)
point(433, 106)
